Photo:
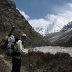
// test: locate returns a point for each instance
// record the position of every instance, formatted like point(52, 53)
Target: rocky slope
point(10, 16)
point(62, 38)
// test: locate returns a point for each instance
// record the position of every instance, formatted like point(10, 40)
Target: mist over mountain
point(67, 27)
point(62, 38)
point(52, 22)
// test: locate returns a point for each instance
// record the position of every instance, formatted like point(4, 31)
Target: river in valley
point(54, 49)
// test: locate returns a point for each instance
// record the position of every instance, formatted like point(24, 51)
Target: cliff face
point(10, 16)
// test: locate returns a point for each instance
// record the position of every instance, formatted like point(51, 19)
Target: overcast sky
point(53, 14)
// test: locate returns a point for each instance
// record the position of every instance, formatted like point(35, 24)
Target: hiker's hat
point(13, 27)
point(23, 35)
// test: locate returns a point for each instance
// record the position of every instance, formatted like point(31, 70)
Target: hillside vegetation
point(40, 62)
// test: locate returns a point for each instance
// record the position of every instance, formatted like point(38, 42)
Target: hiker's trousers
point(16, 64)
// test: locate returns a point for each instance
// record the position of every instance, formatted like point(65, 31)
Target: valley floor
point(54, 59)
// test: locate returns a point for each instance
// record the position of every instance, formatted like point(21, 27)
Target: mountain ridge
point(10, 16)
point(62, 38)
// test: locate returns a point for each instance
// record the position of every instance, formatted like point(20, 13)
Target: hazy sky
point(51, 14)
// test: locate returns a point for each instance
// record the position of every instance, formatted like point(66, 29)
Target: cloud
point(39, 25)
point(52, 22)
point(24, 14)
point(61, 18)
point(38, 22)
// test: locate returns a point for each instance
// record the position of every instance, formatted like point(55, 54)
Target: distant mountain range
point(50, 28)
point(62, 38)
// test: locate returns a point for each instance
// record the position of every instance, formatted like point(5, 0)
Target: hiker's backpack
point(10, 45)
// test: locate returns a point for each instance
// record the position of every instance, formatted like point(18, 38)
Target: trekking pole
point(1, 42)
point(13, 27)
point(29, 61)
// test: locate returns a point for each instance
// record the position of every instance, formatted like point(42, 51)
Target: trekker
point(16, 59)
point(15, 49)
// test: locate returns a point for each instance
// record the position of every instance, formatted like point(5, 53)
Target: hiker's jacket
point(20, 48)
